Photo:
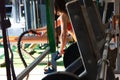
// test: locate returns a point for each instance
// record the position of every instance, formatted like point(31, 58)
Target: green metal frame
point(50, 24)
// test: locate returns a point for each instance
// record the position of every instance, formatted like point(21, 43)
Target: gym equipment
point(109, 7)
point(82, 32)
point(32, 12)
point(97, 25)
point(87, 41)
point(100, 38)
point(71, 54)
point(116, 37)
point(95, 37)
point(98, 30)
point(4, 24)
point(19, 44)
point(85, 37)
point(61, 76)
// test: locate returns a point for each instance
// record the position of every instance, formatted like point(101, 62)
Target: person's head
point(60, 6)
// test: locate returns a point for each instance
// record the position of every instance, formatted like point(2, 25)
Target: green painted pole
point(50, 24)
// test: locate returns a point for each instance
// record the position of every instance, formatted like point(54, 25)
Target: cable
point(11, 60)
point(19, 45)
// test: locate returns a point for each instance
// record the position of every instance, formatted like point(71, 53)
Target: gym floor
point(35, 74)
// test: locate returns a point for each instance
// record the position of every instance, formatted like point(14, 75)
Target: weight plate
point(61, 76)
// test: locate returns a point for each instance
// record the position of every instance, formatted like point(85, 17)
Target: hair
point(60, 5)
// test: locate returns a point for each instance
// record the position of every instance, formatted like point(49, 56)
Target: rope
point(19, 45)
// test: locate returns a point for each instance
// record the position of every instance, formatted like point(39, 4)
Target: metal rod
point(3, 27)
point(77, 64)
point(50, 25)
point(103, 71)
point(32, 65)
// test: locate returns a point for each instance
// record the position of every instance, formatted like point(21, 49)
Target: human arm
point(63, 34)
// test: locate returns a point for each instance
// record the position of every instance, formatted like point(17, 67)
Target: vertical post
point(117, 7)
point(15, 10)
point(50, 29)
point(27, 14)
point(105, 12)
point(3, 27)
point(117, 12)
point(34, 14)
point(50, 24)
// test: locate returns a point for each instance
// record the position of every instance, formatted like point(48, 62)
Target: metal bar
point(27, 14)
point(37, 14)
point(85, 37)
point(32, 65)
point(34, 14)
point(117, 7)
point(50, 24)
point(103, 71)
point(105, 12)
point(77, 64)
point(3, 27)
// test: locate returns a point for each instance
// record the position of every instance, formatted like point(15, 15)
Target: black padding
point(85, 37)
point(70, 55)
point(61, 76)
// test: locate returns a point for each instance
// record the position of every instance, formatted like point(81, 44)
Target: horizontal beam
point(32, 65)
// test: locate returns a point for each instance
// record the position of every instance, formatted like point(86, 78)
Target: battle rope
point(19, 45)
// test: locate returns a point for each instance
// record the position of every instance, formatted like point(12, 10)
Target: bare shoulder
point(64, 17)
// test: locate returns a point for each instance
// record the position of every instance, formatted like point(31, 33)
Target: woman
point(63, 21)
point(64, 24)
